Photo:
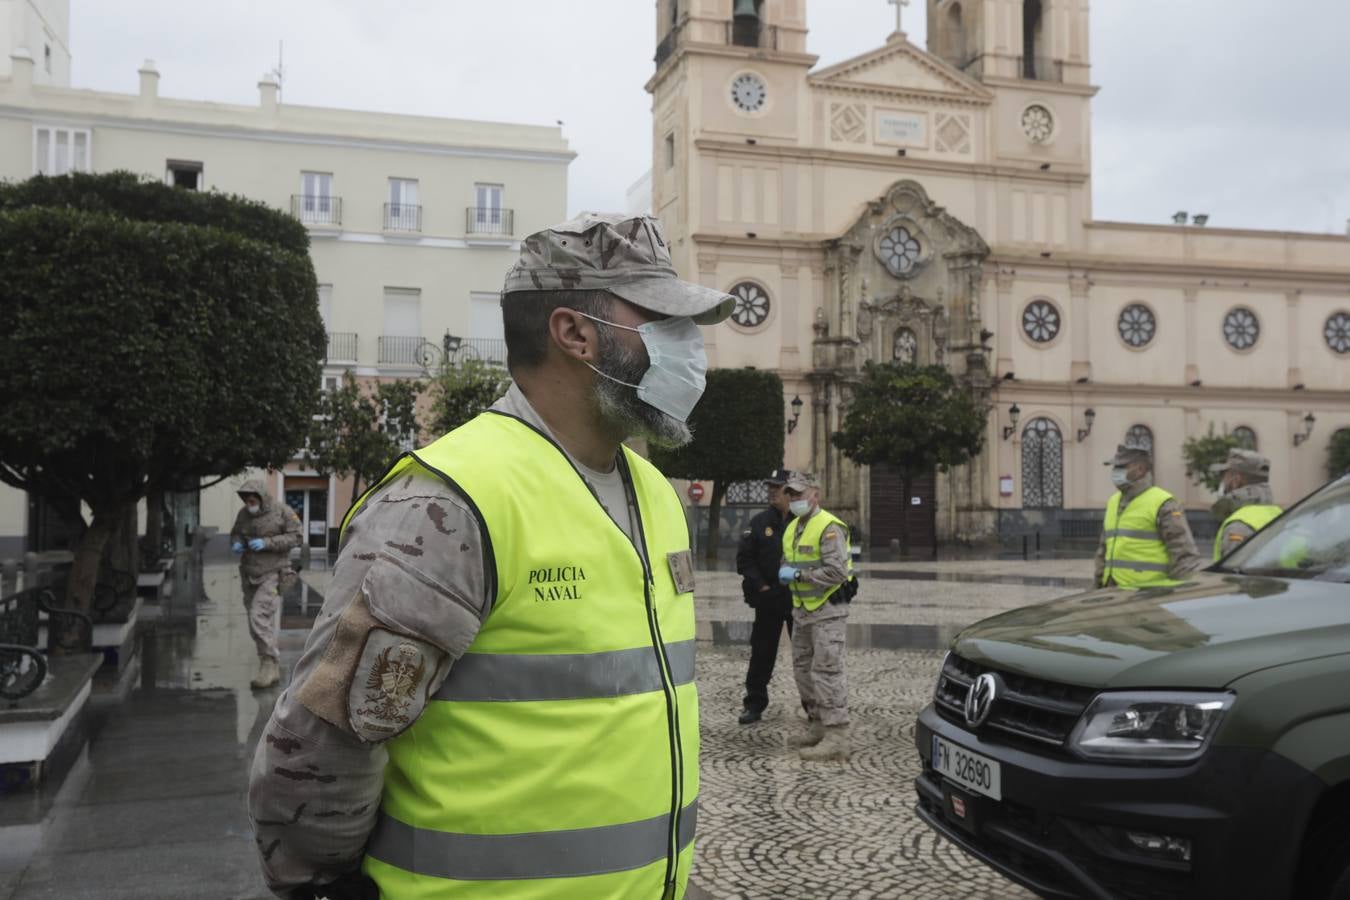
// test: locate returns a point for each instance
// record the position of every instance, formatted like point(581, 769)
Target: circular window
point(900, 251)
point(1037, 123)
point(1140, 437)
point(752, 305)
point(905, 348)
point(1137, 325)
point(1245, 437)
point(1040, 321)
point(748, 92)
point(1240, 328)
point(1337, 332)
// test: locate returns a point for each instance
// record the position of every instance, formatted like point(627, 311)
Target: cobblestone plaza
point(149, 803)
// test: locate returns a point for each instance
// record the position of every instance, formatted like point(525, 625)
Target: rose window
point(1337, 332)
point(900, 251)
point(1040, 321)
point(1137, 325)
point(752, 305)
point(1240, 328)
point(1037, 123)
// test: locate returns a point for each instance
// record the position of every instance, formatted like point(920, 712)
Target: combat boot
point(834, 746)
point(269, 673)
point(814, 733)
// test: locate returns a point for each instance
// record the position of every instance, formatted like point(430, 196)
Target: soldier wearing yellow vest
point(1246, 503)
point(816, 565)
point(1146, 539)
point(497, 699)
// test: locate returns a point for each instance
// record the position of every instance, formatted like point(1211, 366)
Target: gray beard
point(619, 405)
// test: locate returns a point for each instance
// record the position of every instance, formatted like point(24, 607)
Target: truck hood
point(1204, 633)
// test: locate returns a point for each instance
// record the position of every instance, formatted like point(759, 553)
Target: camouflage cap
point(625, 255)
point(801, 482)
point(1248, 462)
point(1126, 455)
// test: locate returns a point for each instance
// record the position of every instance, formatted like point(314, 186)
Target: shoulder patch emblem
point(768, 531)
point(389, 687)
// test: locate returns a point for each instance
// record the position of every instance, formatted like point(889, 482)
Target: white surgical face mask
point(799, 508)
point(677, 374)
point(1119, 478)
point(253, 508)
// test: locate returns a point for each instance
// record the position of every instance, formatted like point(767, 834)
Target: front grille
point(1028, 710)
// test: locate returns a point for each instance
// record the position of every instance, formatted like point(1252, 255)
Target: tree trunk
point(356, 488)
point(88, 555)
point(714, 522)
point(154, 522)
point(906, 485)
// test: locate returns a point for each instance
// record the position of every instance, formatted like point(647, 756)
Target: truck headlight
point(1171, 726)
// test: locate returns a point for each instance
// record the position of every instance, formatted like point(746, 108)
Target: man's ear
point(574, 334)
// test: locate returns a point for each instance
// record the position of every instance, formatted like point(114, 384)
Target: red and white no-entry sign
point(695, 491)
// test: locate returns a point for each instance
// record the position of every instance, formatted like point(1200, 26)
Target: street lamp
point(796, 405)
point(450, 343)
point(1308, 421)
point(1089, 415)
point(1014, 413)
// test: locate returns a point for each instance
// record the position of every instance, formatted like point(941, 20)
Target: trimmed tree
point(1204, 451)
point(1338, 454)
point(738, 436)
point(362, 428)
point(460, 392)
point(914, 418)
point(149, 338)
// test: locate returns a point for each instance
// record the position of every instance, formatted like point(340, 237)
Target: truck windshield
point(1312, 540)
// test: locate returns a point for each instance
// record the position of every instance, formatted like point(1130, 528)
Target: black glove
point(352, 886)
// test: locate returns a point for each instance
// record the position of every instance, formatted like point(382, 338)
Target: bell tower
point(1030, 40)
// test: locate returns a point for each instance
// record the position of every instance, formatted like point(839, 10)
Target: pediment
point(901, 66)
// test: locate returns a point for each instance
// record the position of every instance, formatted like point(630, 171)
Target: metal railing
point(489, 220)
point(488, 350)
point(317, 209)
point(342, 346)
point(400, 350)
point(402, 217)
point(1037, 68)
point(752, 34)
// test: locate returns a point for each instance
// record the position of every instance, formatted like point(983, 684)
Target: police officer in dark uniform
point(758, 556)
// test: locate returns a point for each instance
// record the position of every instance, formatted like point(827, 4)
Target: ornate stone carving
point(952, 132)
point(848, 122)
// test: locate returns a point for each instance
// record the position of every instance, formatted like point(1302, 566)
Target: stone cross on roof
point(899, 13)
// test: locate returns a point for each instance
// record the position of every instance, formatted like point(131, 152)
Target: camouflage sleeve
point(1233, 535)
point(1099, 561)
point(407, 598)
point(291, 537)
point(833, 567)
point(237, 529)
point(1175, 532)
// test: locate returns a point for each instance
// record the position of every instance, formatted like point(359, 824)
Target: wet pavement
point(147, 800)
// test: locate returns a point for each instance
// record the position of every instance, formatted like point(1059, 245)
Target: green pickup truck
point(1172, 742)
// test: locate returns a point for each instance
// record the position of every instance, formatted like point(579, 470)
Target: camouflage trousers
point(263, 602)
point(818, 662)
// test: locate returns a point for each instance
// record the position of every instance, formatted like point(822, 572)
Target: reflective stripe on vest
point(1135, 554)
point(563, 744)
point(804, 553)
point(1255, 516)
point(549, 854)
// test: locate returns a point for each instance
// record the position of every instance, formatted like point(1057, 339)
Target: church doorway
point(888, 507)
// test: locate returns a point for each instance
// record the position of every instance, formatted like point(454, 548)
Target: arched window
point(1042, 465)
point(954, 43)
point(1140, 436)
point(1246, 438)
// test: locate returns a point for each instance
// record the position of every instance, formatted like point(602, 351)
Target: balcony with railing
point(321, 210)
point(752, 33)
point(490, 220)
point(400, 350)
point(402, 217)
point(341, 346)
point(488, 350)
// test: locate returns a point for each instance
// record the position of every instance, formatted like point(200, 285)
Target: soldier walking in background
point(1146, 539)
point(817, 568)
point(1246, 503)
point(758, 556)
point(263, 534)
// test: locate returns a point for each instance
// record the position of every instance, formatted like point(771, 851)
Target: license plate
point(970, 770)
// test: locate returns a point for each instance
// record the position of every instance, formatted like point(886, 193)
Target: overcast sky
point(1236, 108)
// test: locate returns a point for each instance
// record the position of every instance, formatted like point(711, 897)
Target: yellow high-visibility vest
point(804, 553)
point(1256, 516)
point(559, 758)
point(1135, 553)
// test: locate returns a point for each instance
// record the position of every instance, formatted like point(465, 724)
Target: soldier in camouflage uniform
point(264, 534)
point(414, 580)
point(1245, 483)
point(1132, 472)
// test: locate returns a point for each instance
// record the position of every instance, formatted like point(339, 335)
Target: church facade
point(935, 206)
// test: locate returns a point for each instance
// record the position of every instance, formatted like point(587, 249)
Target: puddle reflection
point(866, 637)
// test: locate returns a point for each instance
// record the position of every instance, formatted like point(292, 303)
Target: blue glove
point(236, 548)
point(787, 574)
point(256, 544)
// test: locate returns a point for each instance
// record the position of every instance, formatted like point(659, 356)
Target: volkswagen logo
point(980, 698)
